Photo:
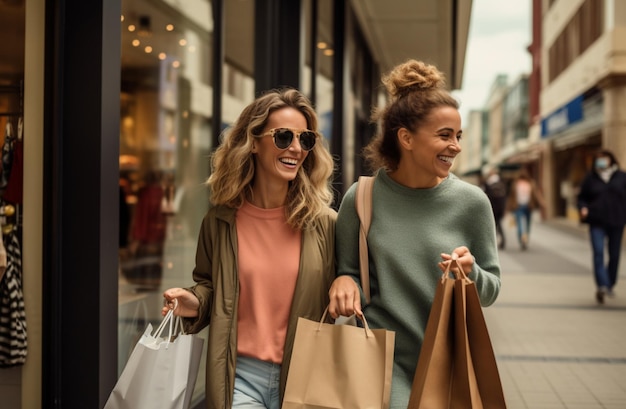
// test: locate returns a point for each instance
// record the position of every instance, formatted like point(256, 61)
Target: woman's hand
point(345, 298)
point(462, 256)
point(184, 303)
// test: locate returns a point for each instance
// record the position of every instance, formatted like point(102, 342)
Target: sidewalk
point(555, 346)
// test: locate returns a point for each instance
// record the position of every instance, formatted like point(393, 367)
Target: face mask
point(602, 163)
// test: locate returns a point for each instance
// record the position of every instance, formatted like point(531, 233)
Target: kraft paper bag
point(457, 367)
point(161, 371)
point(339, 366)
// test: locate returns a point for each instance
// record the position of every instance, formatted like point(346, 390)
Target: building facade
point(552, 120)
point(583, 92)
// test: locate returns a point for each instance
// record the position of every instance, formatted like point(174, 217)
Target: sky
point(499, 33)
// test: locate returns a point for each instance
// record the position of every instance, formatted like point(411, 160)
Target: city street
point(556, 346)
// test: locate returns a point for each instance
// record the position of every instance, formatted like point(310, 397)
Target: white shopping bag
point(161, 371)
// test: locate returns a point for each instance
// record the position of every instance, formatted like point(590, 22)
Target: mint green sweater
point(410, 229)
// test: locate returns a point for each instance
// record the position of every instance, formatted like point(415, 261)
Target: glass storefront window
point(13, 353)
point(165, 139)
point(325, 54)
point(323, 51)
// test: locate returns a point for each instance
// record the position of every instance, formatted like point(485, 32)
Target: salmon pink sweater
point(269, 259)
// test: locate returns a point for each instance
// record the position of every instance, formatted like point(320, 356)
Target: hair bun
point(412, 76)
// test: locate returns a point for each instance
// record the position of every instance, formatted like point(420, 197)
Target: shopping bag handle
point(366, 327)
point(459, 274)
point(175, 325)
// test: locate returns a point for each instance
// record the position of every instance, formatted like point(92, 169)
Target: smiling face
point(274, 165)
point(431, 149)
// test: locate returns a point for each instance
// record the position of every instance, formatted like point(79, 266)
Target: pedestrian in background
point(495, 189)
point(602, 205)
point(524, 198)
point(266, 250)
point(421, 215)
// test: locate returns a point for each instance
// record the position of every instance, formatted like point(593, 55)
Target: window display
point(164, 144)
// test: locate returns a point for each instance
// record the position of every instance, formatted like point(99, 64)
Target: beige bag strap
point(363, 203)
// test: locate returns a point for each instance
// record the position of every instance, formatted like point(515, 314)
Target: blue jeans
point(257, 384)
point(605, 274)
point(522, 219)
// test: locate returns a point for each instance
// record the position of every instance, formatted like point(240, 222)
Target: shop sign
point(563, 117)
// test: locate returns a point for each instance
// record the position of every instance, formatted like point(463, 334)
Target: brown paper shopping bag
point(457, 368)
point(339, 366)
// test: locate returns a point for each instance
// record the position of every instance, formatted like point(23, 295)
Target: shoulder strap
point(363, 203)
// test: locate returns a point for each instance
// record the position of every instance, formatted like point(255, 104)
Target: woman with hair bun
point(422, 215)
point(266, 250)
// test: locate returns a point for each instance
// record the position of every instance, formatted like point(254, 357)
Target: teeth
point(448, 159)
point(289, 161)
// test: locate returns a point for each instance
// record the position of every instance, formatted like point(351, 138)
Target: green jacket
point(217, 288)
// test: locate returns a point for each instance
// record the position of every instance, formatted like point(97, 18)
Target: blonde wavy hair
point(233, 164)
point(414, 89)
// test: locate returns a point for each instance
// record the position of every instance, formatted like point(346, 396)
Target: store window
point(13, 352)
point(323, 69)
point(364, 79)
point(165, 140)
point(166, 131)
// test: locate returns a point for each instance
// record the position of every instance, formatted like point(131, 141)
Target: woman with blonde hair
point(422, 217)
point(265, 252)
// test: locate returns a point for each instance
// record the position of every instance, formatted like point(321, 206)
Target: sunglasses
point(283, 137)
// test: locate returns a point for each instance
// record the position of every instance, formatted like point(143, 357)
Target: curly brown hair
point(414, 89)
point(233, 168)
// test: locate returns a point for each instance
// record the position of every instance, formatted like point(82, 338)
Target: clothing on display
point(13, 190)
point(7, 156)
point(13, 334)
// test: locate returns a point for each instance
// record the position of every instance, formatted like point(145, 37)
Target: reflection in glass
point(164, 144)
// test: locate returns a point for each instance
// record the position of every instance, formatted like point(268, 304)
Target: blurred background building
point(570, 104)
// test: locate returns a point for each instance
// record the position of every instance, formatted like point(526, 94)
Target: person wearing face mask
point(602, 205)
point(266, 250)
point(422, 216)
